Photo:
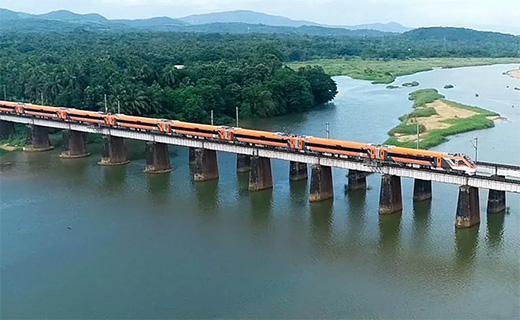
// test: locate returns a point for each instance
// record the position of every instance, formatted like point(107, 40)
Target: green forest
point(142, 70)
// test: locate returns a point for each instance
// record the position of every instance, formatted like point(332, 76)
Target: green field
point(435, 137)
point(379, 71)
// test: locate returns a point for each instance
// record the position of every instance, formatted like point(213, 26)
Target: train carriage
point(9, 107)
point(83, 116)
point(265, 138)
point(139, 123)
point(346, 148)
point(428, 159)
point(199, 130)
point(39, 111)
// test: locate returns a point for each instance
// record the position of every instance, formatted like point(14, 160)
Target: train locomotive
point(457, 163)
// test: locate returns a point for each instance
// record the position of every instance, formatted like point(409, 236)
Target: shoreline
point(386, 72)
point(436, 119)
point(17, 142)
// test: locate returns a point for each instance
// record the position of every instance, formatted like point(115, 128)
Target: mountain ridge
point(66, 15)
point(236, 16)
point(254, 17)
point(246, 16)
point(63, 21)
point(67, 21)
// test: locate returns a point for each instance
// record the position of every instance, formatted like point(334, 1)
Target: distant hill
point(230, 21)
point(63, 21)
point(7, 15)
point(458, 34)
point(239, 28)
point(65, 15)
point(236, 22)
point(245, 16)
point(385, 27)
point(158, 22)
point(252, 17)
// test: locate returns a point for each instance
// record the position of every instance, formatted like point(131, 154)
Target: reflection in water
point(421, 217)
point(243, 184)
point(207, 195)
point(495, 230)
point(75, 168)
point(466, 243)
point(356, 213)
point(39, 161)
point(159, 186)
point(114, 177)
point(389, 234)
point(261, 209)
point(321, 219)
point(298, 194)
point(135, 149)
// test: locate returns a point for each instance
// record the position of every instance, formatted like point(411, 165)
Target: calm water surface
point(83, 241)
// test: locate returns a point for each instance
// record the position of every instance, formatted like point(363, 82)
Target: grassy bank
point(387, 71)
point(17, 142)
point(437, 118)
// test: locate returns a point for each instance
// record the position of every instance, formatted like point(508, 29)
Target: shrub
point(423, 112)
point(407, 129)
point(424, 96)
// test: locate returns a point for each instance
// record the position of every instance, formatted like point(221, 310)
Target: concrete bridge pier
point(205, 166)
point(243, 163)
point(74, 144)
point(113, 151)
point(422, 190)
point(260, 176)
point(297, 171)
point(321, 183)
point(468, 208)
point(496, 201)
point(157, 158)
point(357, 180)
point(6, 130)
point(390, 199)
point(191, 156)
point(37, 139)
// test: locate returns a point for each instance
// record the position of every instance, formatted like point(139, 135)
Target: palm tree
point(135, 101)
point(168, 76)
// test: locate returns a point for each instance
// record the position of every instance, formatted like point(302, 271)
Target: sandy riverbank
point(437, 118)
point(443, 111)
point(441, 120)
point(7, 147)
point(514, 74)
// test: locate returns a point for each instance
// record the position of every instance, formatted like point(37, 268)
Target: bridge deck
point(479, 180)
point(507, 170)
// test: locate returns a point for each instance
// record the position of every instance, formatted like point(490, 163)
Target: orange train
point(364, 152)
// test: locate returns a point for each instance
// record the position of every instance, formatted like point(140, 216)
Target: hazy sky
point(499, 15)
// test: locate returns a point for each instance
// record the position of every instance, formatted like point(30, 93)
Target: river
point(83, 241)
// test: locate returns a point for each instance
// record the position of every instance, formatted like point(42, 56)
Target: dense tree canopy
point(222, 71)
point(142, 73)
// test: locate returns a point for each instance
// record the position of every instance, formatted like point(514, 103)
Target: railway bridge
point(498, 178)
